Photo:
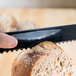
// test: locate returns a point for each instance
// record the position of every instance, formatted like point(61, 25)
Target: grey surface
point(38, 3)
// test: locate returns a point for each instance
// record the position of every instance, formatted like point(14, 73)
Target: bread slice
point(8, 23)
point(45, 59)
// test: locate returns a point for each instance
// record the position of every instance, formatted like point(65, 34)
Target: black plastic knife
point(30, 38)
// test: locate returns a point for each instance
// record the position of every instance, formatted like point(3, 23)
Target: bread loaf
point(45, 59)
point(8, 23)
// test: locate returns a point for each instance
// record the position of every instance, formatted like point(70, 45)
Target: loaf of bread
point(8, 23)
point(45, 59)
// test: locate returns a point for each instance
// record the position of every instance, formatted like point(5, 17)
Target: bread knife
point(30, 38)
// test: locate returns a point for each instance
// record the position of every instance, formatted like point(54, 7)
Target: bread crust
point(48, 45)
point(25, 62)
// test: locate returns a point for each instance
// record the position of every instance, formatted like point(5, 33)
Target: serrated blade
point(31, 38)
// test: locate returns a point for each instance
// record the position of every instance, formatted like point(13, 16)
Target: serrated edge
point(14, 51)
point(58, 43)
point(63, 42)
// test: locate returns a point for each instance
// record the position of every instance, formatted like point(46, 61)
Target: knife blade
point(29, 38)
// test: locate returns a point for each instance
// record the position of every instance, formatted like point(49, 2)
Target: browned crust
point(21, 68)
point(48, 45)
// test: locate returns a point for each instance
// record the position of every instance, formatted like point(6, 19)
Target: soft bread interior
point(57, 62)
